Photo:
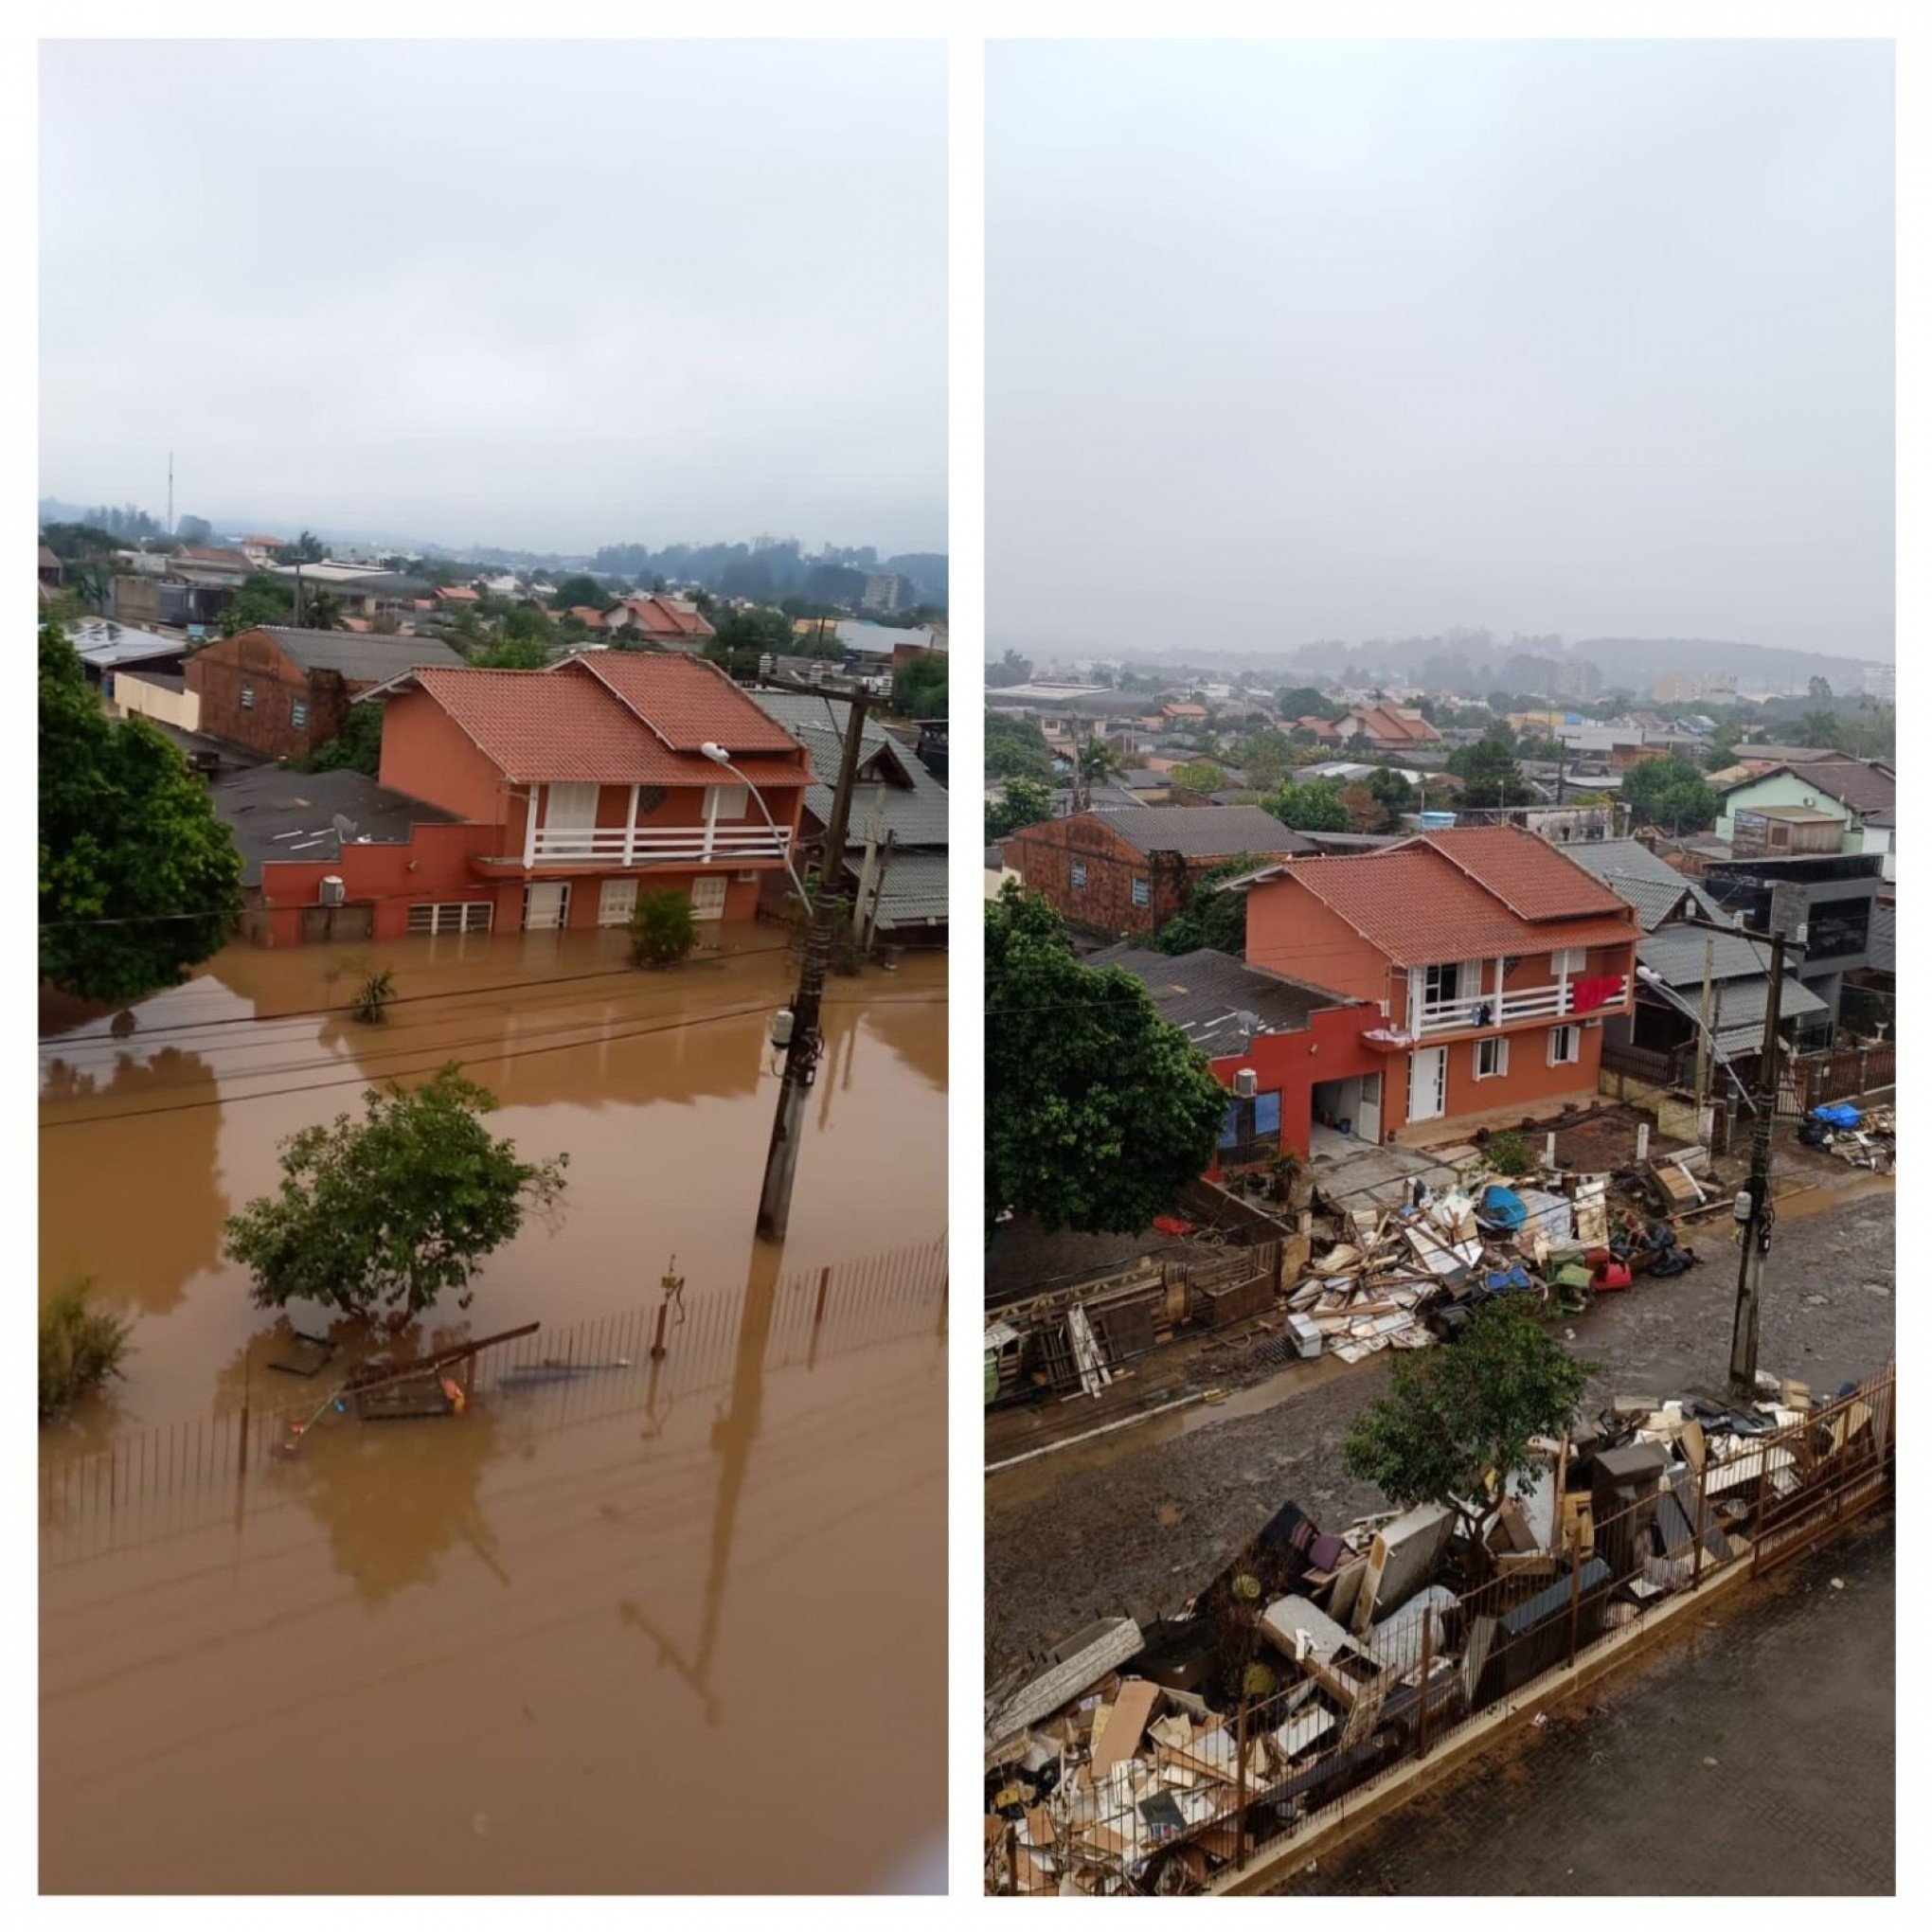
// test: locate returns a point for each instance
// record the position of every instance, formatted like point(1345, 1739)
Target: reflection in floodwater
point(540, 1645)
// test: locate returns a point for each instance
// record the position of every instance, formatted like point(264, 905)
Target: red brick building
point(283, 692)
point(1492, 960)
point(1130, 870)
point(557, 796)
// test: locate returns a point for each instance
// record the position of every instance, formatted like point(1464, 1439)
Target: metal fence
point(1299, 1758)
point(179, 1476)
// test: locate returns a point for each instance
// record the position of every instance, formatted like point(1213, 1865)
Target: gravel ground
point(1758, 1754)
point(1136, 1521)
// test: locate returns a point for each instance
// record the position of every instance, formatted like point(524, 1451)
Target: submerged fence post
point(1423, 1716)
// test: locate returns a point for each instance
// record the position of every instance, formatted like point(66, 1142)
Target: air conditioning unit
point(1245, 1083)
point(332, 890)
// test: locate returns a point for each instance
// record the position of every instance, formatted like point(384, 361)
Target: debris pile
point(1146, 1758)
point(1413, 1275)
point(1867, 1138)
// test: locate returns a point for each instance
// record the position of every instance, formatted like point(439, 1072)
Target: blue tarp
point(1501, 1208)
point(1838, 1116)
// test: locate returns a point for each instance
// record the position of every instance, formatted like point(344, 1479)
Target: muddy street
point(546, 1644)
point(1139, 1519)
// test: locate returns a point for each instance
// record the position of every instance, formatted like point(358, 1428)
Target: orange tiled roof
point(1417, 906)
point(457, 592)
point(686, 701)
point(564, 725)
point(664, 617)
point(1526, 873)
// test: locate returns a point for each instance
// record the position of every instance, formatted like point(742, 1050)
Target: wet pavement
point(1757, 1755)
point(1137, 1521)
point(575, 1636)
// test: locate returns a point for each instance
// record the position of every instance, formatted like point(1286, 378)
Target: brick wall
point(1046, 857)
point(248, 690)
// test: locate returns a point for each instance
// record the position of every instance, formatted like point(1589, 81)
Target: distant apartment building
point(886, 591)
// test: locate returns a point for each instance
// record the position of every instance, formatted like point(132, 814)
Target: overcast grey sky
point(1290, 340)
point(534, 293)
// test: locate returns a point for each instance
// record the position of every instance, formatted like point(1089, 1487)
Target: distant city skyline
point(1295, 339)
point(556, 295)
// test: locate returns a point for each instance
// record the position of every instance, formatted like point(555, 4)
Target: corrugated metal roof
point(1217, 1001)
point(361, 657)
point(1634, 872)
point(1204, 832)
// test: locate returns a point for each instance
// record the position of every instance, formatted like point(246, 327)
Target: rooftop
point(1202, 831)
point(278, 813)
point(361, 657)
point(1218, 1003)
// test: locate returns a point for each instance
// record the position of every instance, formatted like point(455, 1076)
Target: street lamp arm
point(1656, 984)
point(719, 756)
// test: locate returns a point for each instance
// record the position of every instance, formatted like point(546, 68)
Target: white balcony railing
point(1483, 1010)
point(617, 845)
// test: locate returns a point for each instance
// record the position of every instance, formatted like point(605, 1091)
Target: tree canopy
point(264, 599)
point(357, 747)
point(581, 590)
point(379, 1217)
point(1211, 917)
point(1316, 806)
point(1098, 1111)
point(138, 878)
point(1488, 769)
point(1456, 1423)
point(1017, 748)
point(1012, 669)
point(918, 687)
point(1304, 701)
point(1670, 792)
point(1022, 802)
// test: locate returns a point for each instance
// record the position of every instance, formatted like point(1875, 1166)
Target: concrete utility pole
point(1704, 1038)
point(1757, 1214)
point(805, 1045)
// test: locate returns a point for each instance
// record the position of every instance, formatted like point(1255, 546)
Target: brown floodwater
point(642, 1626)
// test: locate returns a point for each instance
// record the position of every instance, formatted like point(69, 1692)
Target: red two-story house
point(559, 794)
point(1492, 958)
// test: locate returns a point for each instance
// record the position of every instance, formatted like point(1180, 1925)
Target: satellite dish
point(344, 828)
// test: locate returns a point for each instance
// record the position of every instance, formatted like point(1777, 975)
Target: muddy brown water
point(644, 1627)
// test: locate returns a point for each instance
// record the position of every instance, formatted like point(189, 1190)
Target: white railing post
point(531, 828)
point(631, 830)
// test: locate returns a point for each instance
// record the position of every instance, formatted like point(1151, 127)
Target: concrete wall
point(133, 697)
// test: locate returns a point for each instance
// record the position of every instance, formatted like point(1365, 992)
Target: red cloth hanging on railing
point(1588, 994)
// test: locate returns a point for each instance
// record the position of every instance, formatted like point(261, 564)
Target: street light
point(1653, 979)
point(719, 756)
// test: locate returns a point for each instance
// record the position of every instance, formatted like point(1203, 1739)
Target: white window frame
point(1077, 876)
point(248, 697)
point(1141, 891)
point(563, 924)
point(707, 896)
point(725, 802)
point(606, 915)
point(1574, 1057)
point(1497, 1047)
point(298, 713)
point(452, 916)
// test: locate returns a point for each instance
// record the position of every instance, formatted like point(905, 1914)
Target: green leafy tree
point(586, 591)
point(1456, 1425)
point(357, 747)
point(1098, 1111)
point(379, 1217)
point(138, 878)
point(1211, 917)
point(918, 687)
point(193, 530)
point(508, 652)
point(1017, 748)
point(1304, 701)
point(1821, 730)
point(1011, 669)
point(1263, 755)
point(1392, 792)
point(1314, 807)
point(1198, 774)
point(1670, 793)
point(307, 548)
point(744, 637)
point(1022, 802)
point(259, 600)
point(1488, 769)
point(1094, 764)
point(664, 928)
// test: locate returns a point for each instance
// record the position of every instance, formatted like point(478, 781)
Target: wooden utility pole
point(803, 1050)
point(1704, 1036)
point(1754, 1230)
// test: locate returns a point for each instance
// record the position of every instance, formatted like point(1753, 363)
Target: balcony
point(1486, 1011)
point(617, 845)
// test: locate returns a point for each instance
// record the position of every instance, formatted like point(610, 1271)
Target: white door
point(569, 820)
point(617, 900)
point(707, 898)
point(1428, 1083)
point(1368, 1109)
point(546, 906)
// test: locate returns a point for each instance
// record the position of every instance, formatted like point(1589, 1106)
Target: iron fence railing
point(182, 1476)
point(1304, 1755)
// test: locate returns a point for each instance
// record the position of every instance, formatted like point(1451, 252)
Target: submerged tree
point(378, 1217)
point(80, 1347)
